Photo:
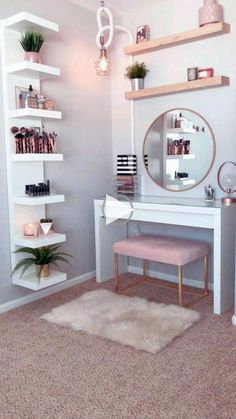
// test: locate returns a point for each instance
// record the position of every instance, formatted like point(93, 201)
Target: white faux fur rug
point(131, 321)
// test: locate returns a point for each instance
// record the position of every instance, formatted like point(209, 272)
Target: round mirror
point(179, 149)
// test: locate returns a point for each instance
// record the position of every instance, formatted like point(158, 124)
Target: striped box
point(126, 164)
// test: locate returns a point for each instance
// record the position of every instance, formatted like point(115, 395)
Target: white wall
point(170, 66)
point(84, 135)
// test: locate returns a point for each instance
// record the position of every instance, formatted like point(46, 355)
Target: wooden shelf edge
point(218, 81)
point(206, 31)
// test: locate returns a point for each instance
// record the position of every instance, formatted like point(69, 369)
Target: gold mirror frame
point(213, 152)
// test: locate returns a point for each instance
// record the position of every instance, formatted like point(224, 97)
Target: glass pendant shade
point(102, 65)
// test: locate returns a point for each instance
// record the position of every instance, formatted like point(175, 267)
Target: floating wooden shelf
point(32, 70)
point(32, 282)
point(36, 242)
point(207, 31)
point(219, 81)
point(36, 157)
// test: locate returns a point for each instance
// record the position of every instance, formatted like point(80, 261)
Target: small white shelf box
point(180, 156)
point(33, 70)
point(32, 282)
point(36, 157)
point(38, 200)
point(181, 131)
point(34, 113)
point(24, 21)
point(36, 242)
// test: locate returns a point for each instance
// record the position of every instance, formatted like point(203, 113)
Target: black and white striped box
point(126, 164)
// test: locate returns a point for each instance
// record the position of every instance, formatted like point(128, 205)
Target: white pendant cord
point(110, 27)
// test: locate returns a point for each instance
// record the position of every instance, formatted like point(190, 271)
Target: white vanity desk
point(183, 212)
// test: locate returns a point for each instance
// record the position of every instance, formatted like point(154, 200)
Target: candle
point(31, 229)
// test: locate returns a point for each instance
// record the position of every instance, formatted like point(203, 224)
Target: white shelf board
point(32, 282)
point(24, 21)
point(36, 242)
point(178, 182)
point(181, 131)
point(38, 200)
point(32, 70)
point(180, 157)
point(34, 113)
point(36, 157)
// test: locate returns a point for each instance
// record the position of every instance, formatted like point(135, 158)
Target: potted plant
point(46, 224)
point(31, 43)
point(41, 258)
point(136, 74)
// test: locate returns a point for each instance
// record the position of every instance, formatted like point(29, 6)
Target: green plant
point(46, 220)
point(31, 41)
point(41, 256)
point(136, 71)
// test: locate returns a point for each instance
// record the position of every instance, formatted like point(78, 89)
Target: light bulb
point(102, 65)
point(229, 181)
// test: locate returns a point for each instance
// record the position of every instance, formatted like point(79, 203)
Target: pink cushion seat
point(171, 250)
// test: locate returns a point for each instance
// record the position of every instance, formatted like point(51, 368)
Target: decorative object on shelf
point(176, 147)
point(181, 175)
point(211, 12)
point(182, 122)
point(136, 73)
point(33, 140)
point(41, 257)
point(210, 193)
point(142, 33)
point(31, 229)
point(192, 73)
point(31, 98)
point(46, 224)
point(49, 104)
point(126, 164)
point(127, 185)
point(205, 73)
point(31, 43)
point(102, 65)
point(227, 181)
point(42, 189)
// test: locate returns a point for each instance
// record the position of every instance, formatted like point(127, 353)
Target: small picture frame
point(142, 33)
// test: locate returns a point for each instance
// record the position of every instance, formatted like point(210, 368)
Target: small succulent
point(46, 220)
point(136, 71)
point(31, 41)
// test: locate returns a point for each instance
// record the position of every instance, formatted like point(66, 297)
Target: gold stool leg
point(180, 278)
point(206, 274)
point(145, 268)
point(116, 259)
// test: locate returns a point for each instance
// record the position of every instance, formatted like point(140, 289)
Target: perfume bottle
point(31, 99)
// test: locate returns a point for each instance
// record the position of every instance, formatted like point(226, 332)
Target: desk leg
point(105, 236)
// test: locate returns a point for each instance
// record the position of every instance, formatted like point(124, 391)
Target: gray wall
point(84, 135)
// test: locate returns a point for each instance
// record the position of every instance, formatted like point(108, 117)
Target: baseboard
point(167, 277)
point(234, 320)
point(46, 291)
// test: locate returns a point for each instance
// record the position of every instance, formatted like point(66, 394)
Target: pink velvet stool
point(169, 250)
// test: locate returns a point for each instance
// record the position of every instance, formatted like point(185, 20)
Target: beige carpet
point(132, 321)
point(51, 372)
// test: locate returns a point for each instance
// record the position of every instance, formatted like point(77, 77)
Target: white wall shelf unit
point(24, 169)
point(38, 200)
point(32, 282)
point(36, 242)
point(36, 157)
point(181, 131)
point(33, 70)
point(34, 113)
point(24, 21)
